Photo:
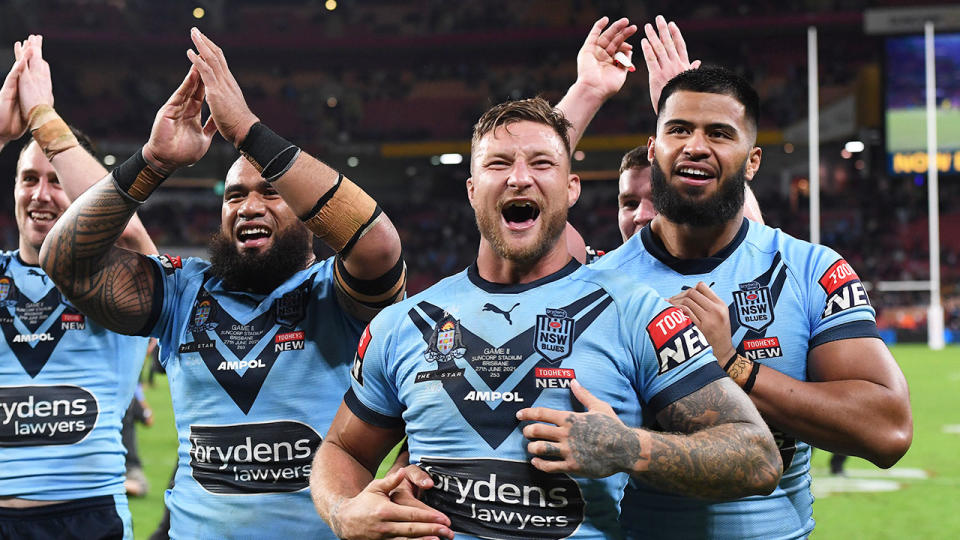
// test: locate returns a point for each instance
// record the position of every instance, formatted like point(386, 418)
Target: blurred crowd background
point(387, 92)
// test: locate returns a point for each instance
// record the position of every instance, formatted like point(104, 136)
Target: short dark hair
point(85, 142)
point(534, 110)
point(715, 80)
point(635, 159)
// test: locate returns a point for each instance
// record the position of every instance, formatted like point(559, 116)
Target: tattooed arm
point(110, 284)
point(719, 449)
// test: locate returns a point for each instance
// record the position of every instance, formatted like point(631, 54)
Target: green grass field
point(918, 508)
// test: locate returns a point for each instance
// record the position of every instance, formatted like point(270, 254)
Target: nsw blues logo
point(553, 338)
point(753, 306)
point(201, 316)
point(446, 343)
point(5, 287)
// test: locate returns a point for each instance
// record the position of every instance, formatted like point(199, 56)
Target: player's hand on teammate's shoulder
point(665, 53)
point(228, 108)
point(595, 443)
point(381, 511)
point(710, 314)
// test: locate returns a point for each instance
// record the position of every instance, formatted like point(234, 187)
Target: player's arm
point(599, 76)
point(349, 499)
point(370, 271)
point(114, 286)
point(856, 401)
point(77, 170)
point(715, 444)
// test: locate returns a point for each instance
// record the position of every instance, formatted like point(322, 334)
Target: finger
point(17, 50)
point(649, 56)
point(411, 515)
point(690, 314)
point(545, 449)
point(542, 414)
point(554, 466)
point(706, 291)
point(597, 29)
point(218, 59)
point(678, 42)
point(584, 396)
point(210, 127)
point(695, 64)
point(608, 37)
point(543, 432)
point(664, 33)
point(417, 476)
point(38, 43)
point(388, 483)
point(10, 81)
point(655, 43)
point(408, 530)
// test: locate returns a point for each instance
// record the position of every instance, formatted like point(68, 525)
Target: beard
point(679, 208)
point(260, 273)
point(553, 225)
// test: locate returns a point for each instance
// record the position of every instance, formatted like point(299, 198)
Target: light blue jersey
point(65, 384)
point(786, 297)
point(255, 381)
point(456, 362)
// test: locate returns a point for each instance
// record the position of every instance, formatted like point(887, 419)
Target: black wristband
point(752, 378)
point(135, 178)
point(728, 363)
point(269, 153)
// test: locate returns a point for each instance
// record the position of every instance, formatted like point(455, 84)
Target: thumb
point(695, 64)
point(210, 127)
point(584, 396)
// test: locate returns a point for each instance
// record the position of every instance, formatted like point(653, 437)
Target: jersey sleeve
point(373, 395)
point(671, 356)
point(168, 278)
point(837, 303)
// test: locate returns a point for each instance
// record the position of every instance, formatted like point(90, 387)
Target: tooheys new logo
point(675, 338)
point(843, 288)
point(46, 415)
point(504, 499)
point(266, 457)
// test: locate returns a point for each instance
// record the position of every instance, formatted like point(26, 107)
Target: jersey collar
point(655, 247)
point(510, 288)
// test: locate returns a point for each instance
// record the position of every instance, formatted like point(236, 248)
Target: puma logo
point(41, 275)
point(495, 309)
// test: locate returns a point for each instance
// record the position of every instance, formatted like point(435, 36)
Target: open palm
point(178, 137)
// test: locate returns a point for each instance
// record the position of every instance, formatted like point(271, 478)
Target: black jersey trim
point(368, 415)
point(687, 385)
point(692, 266)
point(850, 330)
point(24, 263)
point(510, 288)
point(157, 308)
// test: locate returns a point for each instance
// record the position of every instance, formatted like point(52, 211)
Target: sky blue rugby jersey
point(457, 361)
point(65, 384)
point(255, 381)
point(785, 296)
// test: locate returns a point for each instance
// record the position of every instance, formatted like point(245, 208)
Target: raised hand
point(12, 123)
point(372, 514)
point(595, 444)
point(228, 108)
point(710, 314)
point(665, 54)
point(34, 85)
point(596, 67)
point(178, 137)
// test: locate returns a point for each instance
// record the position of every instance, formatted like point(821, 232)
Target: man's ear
point(753, 162)
point(573, 190)
point(651, 143)
point(470, 190)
